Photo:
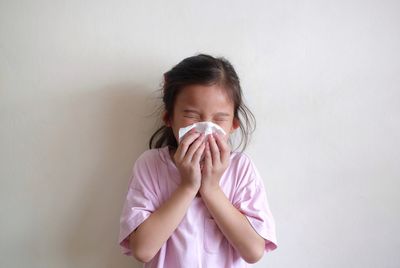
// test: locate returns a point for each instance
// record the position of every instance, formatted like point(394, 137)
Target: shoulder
point(241, 160)
point(242, 166)
point(145, 171)
point(151, 156)
point(148, 154)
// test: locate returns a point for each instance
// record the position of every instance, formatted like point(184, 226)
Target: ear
point(165, 118)
point(235, 124)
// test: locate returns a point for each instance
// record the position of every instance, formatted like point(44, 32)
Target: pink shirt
point(197, 241)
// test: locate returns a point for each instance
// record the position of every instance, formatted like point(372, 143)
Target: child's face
point(197, 103)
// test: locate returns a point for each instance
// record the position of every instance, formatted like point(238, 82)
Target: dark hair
point(202, 70)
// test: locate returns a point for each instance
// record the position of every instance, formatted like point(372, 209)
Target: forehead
point(212, 96)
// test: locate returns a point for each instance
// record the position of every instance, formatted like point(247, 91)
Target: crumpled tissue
point(205, 127)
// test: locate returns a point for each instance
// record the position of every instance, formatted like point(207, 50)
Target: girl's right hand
point(187, 159)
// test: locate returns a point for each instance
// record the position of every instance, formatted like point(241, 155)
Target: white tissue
point(202, 127)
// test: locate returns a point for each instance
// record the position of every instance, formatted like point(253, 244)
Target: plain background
point(78, 87)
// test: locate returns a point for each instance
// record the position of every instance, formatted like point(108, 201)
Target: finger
point(207, 156)
point(215, 155)
point(184, 145)
point(193, 147)
point(223, 148)
point(186, 140)
point(222, 136)
point(193, 130)
point(198, 153)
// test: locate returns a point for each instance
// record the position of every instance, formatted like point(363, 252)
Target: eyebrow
point(222, 114)
point(190, 111)
point(196, 112)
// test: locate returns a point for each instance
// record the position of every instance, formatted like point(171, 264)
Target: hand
point(216, 161)
point(187, 159)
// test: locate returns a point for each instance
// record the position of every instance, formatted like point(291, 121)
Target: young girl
point(192, 202)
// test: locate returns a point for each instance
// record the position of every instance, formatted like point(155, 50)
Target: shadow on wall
point(113, 128)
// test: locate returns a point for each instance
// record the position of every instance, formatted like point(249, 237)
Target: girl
point(192, 202)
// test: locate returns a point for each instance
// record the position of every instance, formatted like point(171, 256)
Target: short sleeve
point(250, 199)
point(141, 199)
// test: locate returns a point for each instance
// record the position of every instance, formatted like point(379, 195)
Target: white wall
point(78, 82)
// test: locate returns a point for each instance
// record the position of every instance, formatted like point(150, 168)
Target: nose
point(206, 118)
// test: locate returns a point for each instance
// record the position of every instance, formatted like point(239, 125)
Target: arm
point(233, 224)
point(149, 237)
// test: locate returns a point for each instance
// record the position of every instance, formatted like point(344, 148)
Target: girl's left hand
point(216, 161)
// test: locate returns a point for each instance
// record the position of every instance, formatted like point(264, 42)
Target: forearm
point(149, 237)
point(234, 226)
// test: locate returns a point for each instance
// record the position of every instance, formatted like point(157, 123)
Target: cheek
point(190, 121)
point(225, 125)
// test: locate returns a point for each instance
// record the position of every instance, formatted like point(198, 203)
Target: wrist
point(189, 188)
point(209, 189)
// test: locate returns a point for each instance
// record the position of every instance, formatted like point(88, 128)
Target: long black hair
point(202, 69)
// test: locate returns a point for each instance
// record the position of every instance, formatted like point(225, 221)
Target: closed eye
point(221, 118)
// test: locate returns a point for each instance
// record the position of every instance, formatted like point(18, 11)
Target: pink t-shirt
point(197, 241)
